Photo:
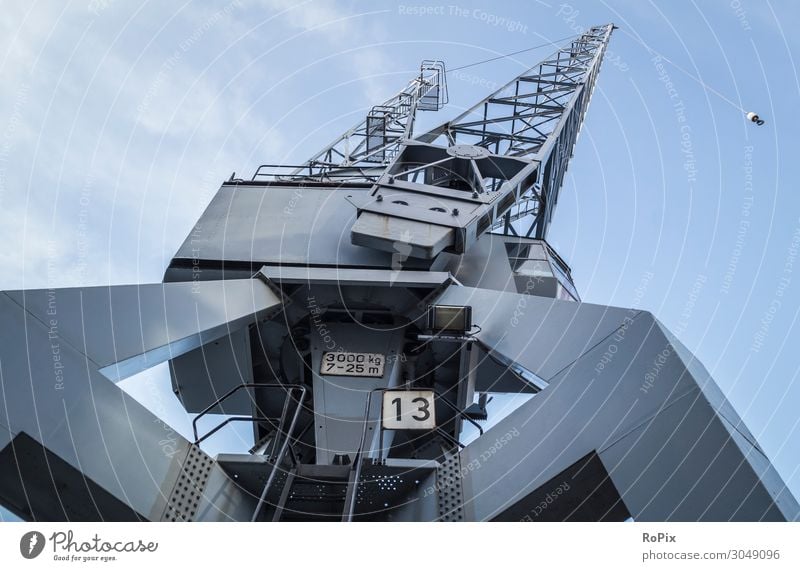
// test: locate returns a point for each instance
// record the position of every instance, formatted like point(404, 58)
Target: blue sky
point(119, 121)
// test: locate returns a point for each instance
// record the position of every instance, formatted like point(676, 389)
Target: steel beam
point(80, 447)
point(631, 425)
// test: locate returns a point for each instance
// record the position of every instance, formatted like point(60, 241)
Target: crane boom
point(537, 115)
point(500, 162)
point(363, 151)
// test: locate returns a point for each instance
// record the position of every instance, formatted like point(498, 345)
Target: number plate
point(342, 364)
point(408, 410)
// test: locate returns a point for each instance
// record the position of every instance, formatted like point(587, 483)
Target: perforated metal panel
point(188, 490)
point(380, 491)
point(448, 483)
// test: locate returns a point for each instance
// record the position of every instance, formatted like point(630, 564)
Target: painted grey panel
point(586, 408)
point(485, 265)
point(281, 225)
point(5, 436)
point(766, 472)
point(41, 373)
point(120, 445)
point(78, 414)
point(53, 392)
point(710, 389)
point(340, 401)
point(203, 375)
point(684, 465)
point(542, 334)
point(356, 277)
point(223, 500)
point(130, 328)
point(410, 237)
point(190, 272)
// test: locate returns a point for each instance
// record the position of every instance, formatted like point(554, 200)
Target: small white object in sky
point(755, 118)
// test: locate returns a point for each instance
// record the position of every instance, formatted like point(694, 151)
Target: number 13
point(422, 409)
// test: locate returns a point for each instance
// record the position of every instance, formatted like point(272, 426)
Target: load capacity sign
point(343, 364)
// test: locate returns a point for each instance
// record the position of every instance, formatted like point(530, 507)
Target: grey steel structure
point(351, 254)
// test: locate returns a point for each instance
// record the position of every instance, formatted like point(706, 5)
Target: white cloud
point(116, 145)
point(346, 30)
point(146, 142)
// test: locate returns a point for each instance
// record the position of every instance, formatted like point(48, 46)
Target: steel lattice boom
point(502, 160)
point(367, 147)
point(537, 115)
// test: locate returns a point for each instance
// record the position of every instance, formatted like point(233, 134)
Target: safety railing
point(311, 170)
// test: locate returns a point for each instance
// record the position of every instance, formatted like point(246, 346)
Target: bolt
point(455, 211)
point(379, 198)
point(474, 194)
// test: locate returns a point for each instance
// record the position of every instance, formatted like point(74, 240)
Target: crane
point(359, 311)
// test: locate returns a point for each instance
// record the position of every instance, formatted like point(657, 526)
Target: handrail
point(350, 508)
point(461, 413)
point(282, 452)
point(224, 397)
point(315, 170)
point(227, 421)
